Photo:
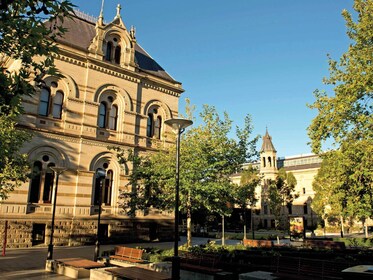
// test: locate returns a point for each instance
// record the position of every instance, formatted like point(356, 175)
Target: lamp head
point(100, 173)
point(178, 124)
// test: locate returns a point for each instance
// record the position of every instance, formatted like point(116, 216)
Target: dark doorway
point(38, 234)
point(104, 233)
point(153, 232)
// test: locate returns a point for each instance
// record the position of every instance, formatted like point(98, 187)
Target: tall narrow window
point(113, 117)
point(290, 208)
point(35, 182)
point(158, 127)
point(109, 47)
point(117, 54)
point(48, 184)
point(102, 115)
point(57, 105)
point(44, 102)
point(108, 187)
point(305, 208)
point(150, 126)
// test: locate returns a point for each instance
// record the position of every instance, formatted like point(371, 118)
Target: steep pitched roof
point(267, 145)
point(81, 32)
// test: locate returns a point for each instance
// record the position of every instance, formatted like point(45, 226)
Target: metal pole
point(252, 223)
point(50, 246)
point(176, 259)
point(5, 237)
point(97, 248)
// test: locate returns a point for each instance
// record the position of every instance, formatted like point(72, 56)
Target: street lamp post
point(178, 127)
point(100, 175)
point(57, 171)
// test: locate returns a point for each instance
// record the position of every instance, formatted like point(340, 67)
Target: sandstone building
point(304, 168)
point(112, 93)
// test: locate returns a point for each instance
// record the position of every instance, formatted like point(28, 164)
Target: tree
point(341, 188)
point(13, 165)
point(244, 194)
point(280, 194)
point(207, 159)
point(25, 39)
point(346, 118)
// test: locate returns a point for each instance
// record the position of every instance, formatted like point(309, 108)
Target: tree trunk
point(244, 223)
point(342, 227)
point(222, 231)
point(366, 230)
point(189, 222)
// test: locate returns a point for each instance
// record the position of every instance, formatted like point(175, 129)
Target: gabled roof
point(267, 145)
point(80, 33)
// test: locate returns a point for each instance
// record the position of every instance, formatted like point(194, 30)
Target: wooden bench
point(301, 268)
point(137, 273)
point(127, 254)
point(203, 263)
point(257, 243)
point(324, 244)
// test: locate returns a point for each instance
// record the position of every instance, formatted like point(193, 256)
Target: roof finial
point(101, 16)
point(118, 11)
point(133, 32)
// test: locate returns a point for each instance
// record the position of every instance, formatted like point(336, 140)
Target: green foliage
point(13, 165)
point(281, 193)
point(344, 183)
point(29, 44)
point(345, 180)
point(26, 39)
point(207, 159)
point(347, 115)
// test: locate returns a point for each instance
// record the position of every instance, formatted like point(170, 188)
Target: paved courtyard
point(29, 263)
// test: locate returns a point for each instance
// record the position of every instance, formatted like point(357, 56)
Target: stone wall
point(36, 232)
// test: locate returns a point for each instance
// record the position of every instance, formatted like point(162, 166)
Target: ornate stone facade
point(111, 93)
point(304, 168)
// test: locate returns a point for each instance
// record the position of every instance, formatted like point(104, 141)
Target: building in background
point(112, 93)
point(304, 168)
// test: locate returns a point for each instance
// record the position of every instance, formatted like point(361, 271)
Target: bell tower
point(268, 157)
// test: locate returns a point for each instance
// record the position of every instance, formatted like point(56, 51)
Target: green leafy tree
point(207, 159)
point(280, 193)
point(244, 194)
point(29, 44)
point(341, 186)
point(13, 165)
point(345, 118)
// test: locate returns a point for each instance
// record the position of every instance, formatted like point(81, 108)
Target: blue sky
point(259, 57)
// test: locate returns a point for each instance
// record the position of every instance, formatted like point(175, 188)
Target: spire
point(267, 143)
point(133, 32)
point(118, 11)
point(101, 16)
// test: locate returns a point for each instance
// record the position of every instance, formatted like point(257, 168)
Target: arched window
point(158, 127)
point(102, 115)
point(113, 118)
point(57, 105)
point(35, 182)
point(44, 102)
point(109, 47)
point(264, 162)
point(117, 54)
point(150, 126)
point(108, 187)
point(48, 184)
point(269, 162)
